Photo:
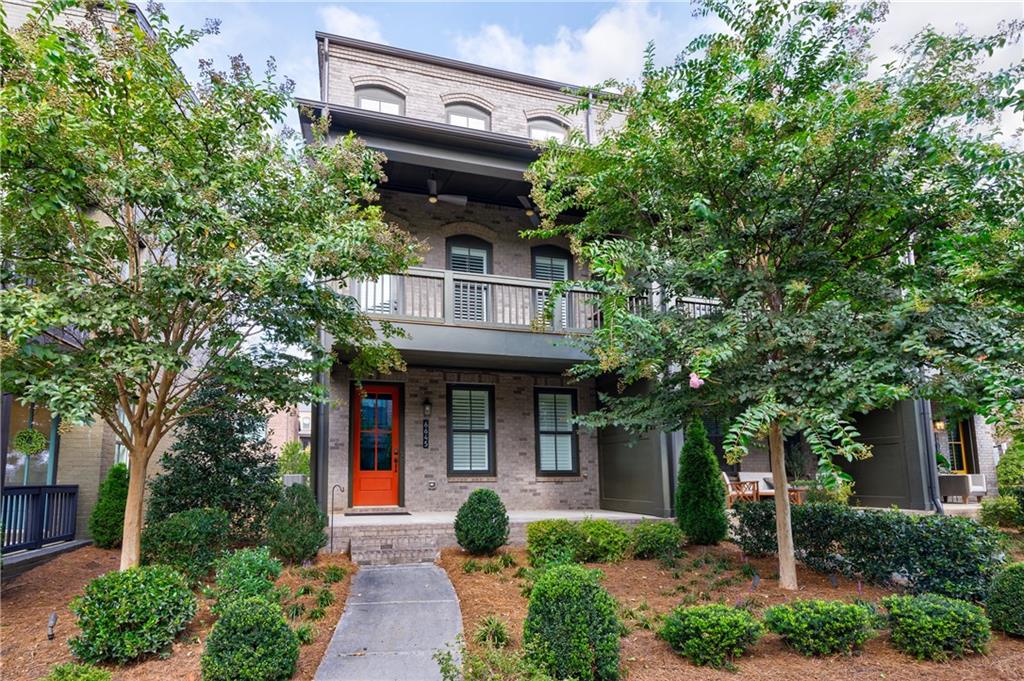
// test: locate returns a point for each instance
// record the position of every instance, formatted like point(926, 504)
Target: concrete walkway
point(396, 617)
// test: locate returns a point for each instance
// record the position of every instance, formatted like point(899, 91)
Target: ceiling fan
point(531, 210)
point(434, 197)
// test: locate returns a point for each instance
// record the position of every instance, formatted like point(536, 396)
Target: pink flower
point(695, 380)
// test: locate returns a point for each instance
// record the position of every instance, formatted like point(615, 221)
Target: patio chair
point(954, 485)
point(978, 485)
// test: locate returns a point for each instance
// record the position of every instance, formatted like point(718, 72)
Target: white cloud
point(343, 21)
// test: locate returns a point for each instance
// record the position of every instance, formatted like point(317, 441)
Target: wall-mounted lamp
point(939, 425)
point(427, 407)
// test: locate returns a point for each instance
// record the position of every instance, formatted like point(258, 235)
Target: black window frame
point(468, 241)
point(574, 440)
point(492, 468)
point(550, 251)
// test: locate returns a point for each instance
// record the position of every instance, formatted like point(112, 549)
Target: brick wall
point(985, 439)
point(516, 480)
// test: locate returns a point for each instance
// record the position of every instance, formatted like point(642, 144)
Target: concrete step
point(393, 549)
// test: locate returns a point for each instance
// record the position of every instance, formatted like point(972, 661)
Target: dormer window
point(382, 100)
point(543, 129)
point(468, 116)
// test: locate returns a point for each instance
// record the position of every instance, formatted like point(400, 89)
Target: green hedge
point(933, 627)
point(251, 641)
point(246, 573)
point(951, 556)
point(662, 539)
point(711, 635)
point(189, 541)
point(1005, 602)
point(481, 525)
point(819, 627)
point(77, 672)
point(1001, 511)
point(553, 541)
point(602, 541)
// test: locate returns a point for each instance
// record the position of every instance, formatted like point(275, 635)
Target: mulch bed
point(646, 588)
point(29, 599)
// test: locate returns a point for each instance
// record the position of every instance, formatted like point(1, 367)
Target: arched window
point(542, 129)
point(468, 254)
point(551, 263)
point(467, 116)
point(380, 99)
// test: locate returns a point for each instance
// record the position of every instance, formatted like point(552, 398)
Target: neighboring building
point(485, 400)
point(289, 425)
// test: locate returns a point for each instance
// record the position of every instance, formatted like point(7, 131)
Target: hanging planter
point(30, 442)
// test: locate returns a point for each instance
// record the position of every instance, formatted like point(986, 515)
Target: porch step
point(392, 548)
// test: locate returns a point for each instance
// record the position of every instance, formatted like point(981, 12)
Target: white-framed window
point(471, 430)
point(120, 450)
point(468, 116)
point(382, 100)
point(557, 452)
point(543, 129)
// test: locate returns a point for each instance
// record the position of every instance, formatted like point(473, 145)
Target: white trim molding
point(533, 114)
point(380, 81)
point(467, 98)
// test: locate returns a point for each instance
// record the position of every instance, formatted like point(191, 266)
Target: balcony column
point(449, 297)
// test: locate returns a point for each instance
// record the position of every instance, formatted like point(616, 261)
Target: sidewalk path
point(396, 617)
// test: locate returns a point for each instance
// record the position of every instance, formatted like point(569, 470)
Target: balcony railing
point(38, 515)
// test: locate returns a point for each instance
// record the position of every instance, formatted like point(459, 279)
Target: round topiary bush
point(70, 671)
point(1005, 602)
point(661, 539)
point(932, 627)
point(296, 526)
point(602, 541)
point(481, 525)
point(711, 635)
point(571, 629)
point(821, 627)
point(106, 523)
point(189, 541)
point(127, 615)
point(250, 642)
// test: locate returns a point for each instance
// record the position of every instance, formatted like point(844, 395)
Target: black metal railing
point(34, 516)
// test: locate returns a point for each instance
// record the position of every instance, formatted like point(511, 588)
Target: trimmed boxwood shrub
point(251, 641)
point(296, 526)
point(106, 522)
point(711, 635)
point(700, 492)
point(571, 628)
point(602, 541)
point(662, 539)
point(933, 627)
point(130, 614)
point(245, 573)
point(1002, 511)
point(481, 525)
point(189, 541)
point(77, 672)
point(553, 541)
point(1005, 603)
point(819, 627)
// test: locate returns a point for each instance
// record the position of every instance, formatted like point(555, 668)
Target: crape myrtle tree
point(826, 211)
point(157, 234)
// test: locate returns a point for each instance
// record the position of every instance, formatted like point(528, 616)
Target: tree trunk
point(783, 524)
point(131, 539)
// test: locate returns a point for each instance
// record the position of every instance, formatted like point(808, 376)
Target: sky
point(581, 43)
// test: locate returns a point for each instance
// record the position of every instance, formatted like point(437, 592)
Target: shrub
point(487, 663)
point(571, 628)
point(294, 459)
point(250, 642)
point(1010, 469)
point(296, 526)
point(77, 672)
point(553, 541)
point(334, 573)
point(305, 634)
point(933, 627)
point(481, 525)
point(700, 493)
point(216, 462)
point(602, 541)
point(492, 631)
point(821, 627)
point(1005, 603)
point(246, 573)
point(107, 519)
point(130, 614)
point(1001, 511)
point(711, 635)
point(656, 539)
point(189, 541)
point(754, 530)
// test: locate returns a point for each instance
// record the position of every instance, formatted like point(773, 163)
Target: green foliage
point(700, 493)
point(660, 539)
point(324, 598)
point(70, 671)
point(553, 541)
point(602, 541)
point(1010, 469)
point(492, 631)
point(506, 560)
point(106, 522)
point(1001, 511)
point(29, 442)
point(333, 574)
point(487, 663)
point(316, 614)
point(571, 628)
point(296, 526)
point(470, 566)
point(1005, 603)
point(481, 525)
point(189, 541)
point(939, 554)
point(250, 642)
point(932, 627)
point(305, 633)
point(243, 574)
point(819, 627)
point(711, 635)
point(294, 459)
point(220, 459)
point(124, 616)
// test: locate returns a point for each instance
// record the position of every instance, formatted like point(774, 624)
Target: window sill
point(472, 478)
point(559, 478)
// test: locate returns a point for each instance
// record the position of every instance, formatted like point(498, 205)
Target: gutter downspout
point(319, 435)
point(924, 410)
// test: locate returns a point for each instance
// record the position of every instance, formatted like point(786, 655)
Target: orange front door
point(375, 447)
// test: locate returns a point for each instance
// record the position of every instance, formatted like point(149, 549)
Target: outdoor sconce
point(940, 426)
point(427, 408)
point(50, 625)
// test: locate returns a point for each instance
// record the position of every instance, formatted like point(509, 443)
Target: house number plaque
point(426, 433)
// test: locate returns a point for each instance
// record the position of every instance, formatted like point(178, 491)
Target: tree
point(220, 459)
point(700, 494)
point(156, 234)
point(819, 210)
point(294, 459)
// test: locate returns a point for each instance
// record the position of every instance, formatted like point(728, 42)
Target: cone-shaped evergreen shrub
point(107, 520)
point(700, 494)
point(296, 526)
point(481, 525)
